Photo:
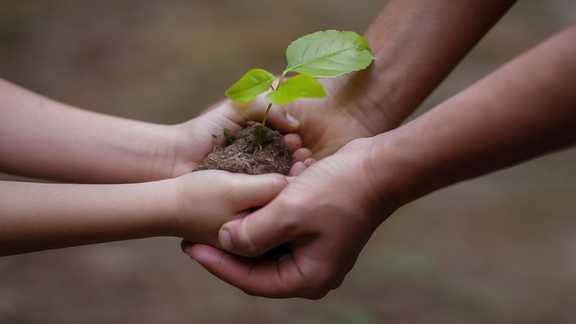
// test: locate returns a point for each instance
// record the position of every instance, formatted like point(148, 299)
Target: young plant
point(321, 54)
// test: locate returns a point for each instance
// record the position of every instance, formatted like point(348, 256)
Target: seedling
point(321, 54)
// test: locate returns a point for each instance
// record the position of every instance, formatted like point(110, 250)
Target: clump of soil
point(242, 154)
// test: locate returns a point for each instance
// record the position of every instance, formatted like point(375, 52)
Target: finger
point(257, 233)
point(249, 191)
point(293, 142)
point(261, 277)
point(309, 161)
point(241, 113)
point(235, 270)
point(281, 120)
point(338, 282)
point(186, 245)
point(296, 169)
point(301, 155)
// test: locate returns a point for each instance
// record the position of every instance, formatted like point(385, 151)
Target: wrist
point(394, 172)
point(168, 223)
point(162, 146)
point(368, 191)
point(154, 208)
point(386, 93)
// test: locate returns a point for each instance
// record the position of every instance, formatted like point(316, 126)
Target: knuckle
point(251, 292)
point(317, 295)
point(315, 290)
point(314, 285)
point(290, 225)
point(245, 244)
point(294, 202)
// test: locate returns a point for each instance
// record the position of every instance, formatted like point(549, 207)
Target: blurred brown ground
point(499, 249)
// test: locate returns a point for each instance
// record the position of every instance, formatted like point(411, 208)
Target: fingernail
point(226, 241)
point(292, 120)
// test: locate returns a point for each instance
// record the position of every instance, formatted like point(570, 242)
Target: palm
point(329, 124)
point(197, 137)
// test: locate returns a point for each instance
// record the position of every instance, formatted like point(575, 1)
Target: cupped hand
point(196, 138)
point(207, 199)
point(348, 112)
point(325, 225)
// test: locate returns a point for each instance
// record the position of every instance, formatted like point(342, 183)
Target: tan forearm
point(43, 138)
point(37, 217)
point(525, 109)
point(417, 43)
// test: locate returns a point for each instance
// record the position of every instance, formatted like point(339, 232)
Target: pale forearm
point(523, 110)
point(43, 138)
point(37, 217)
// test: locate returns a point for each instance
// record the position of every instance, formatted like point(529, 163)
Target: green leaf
point(328, 54)
point(250, 85)
point(300, 86)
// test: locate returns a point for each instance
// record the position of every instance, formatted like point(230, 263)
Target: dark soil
point(242, 154)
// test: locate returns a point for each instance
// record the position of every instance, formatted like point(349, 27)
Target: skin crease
point(43, 138)
point(327, 214)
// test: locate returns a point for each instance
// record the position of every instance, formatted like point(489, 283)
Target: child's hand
point(208, 199)
point(197, 137)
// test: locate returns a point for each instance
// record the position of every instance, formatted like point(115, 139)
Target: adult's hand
point(327, 214)
point(416, 45)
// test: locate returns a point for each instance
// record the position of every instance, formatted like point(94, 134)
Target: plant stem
point(266, 115)
point(281, 79)
point(270, 105)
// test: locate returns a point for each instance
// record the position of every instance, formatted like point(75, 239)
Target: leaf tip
point(253, 83)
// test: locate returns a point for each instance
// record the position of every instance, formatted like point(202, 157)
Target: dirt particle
point(242, 154)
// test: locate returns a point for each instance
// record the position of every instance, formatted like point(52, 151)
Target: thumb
point(257, 233)
point(279, 118)
point(282, 120)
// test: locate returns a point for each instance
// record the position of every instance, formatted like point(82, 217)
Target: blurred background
point(499, 249)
